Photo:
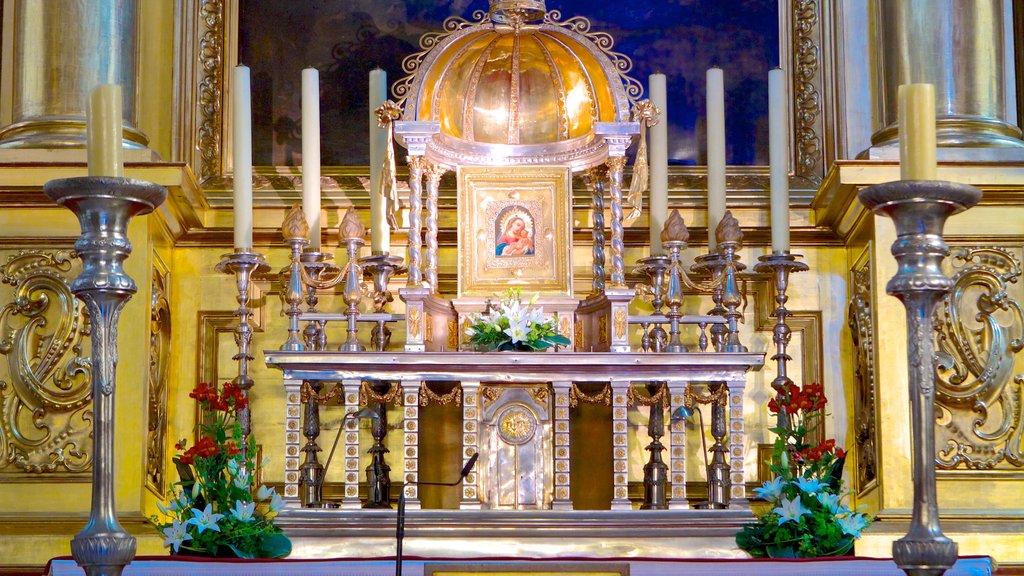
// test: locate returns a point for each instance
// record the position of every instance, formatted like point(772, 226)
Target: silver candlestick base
point(780, 265)
point(380, 267)
point(104, 206)
point(920, 209)
point(243, 264)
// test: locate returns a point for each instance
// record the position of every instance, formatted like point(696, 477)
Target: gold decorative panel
point(980, 385)
point(45, 387)
point(862, 330)
point(159, 359)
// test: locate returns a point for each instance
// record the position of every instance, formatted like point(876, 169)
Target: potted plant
point(807, 516)
point(215, 509)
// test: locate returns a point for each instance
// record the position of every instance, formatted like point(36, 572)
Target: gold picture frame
point(515, 230)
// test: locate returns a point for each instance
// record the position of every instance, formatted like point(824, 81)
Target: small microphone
point(469, 465)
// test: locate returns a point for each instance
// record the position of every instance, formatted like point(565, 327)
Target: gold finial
point(675, 229)
point(351, 226)
point(387, 113)
point(295, 225)
point(646, 111)
point(517, 12)
point(729, 230)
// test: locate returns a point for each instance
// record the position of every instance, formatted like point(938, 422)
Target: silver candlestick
point(316, 264)
point(920, 209)
point(379, 268)
point(781, 265)
point(353, 293)
point(243, 264)
point(293, 292)
point(655, 268)
point(731, 297)
point(104, 206)
point(714, 265)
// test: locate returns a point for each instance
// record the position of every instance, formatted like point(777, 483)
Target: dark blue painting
point(345, 39)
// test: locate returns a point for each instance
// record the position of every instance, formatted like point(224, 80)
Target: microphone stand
point(684, 413)
point(400, 524)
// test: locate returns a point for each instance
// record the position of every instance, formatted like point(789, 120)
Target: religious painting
point(346, 39)
point(514, 230)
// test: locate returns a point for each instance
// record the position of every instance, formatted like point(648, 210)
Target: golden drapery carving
point(45, 394)
point(159, 360)
point(862, 330)
point(979, 388)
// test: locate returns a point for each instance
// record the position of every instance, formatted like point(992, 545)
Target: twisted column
point(595, 179)
point(417, 164)
point(616, 165)
point(434, 174)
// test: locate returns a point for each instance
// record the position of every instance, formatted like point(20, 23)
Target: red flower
point(180, 444)
point(232, 449)
point(840, 453)
point(185, 459)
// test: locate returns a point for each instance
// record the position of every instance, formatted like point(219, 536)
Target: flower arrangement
point(807, 516)
point(215, 509)
point(514, 326)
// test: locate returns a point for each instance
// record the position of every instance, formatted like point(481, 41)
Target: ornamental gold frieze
point(45, 388)
point(159, 361)
point(862, 330)
point(980, 379)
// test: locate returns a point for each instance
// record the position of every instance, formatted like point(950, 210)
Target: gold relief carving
point(603, 397)
point(540, 394)
point(453, 334)
point(368, 394)
point(636, 399)
point(428, 332)
point(490, 394)
point(159, 360)
point(578, 342)
point(620, 324)
point(414, 323)
point(979, 393)
point(807, 98)
point(863, 333)
point(454, 396)
point(602, 330)
point(563, 327)
point(45, 395)
point(516, 425)
point(211, 89)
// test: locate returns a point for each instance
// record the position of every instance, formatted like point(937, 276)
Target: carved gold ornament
point(45, 395)
point(454, 396)
point(516, 425)
point(351, 226)
point(620, 324)
point(414, 323)
point(675, 228)
point(861, 322)
point(729, 229)
point(159, 360)
point(979, 393)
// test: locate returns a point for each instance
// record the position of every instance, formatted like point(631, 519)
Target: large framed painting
point(514, 230)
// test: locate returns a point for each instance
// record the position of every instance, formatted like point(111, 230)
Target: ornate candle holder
point(380, 268)
point(724, 267)
point(104, 206)
point(353, 293)
point(781, 265)
point(713, 265)
point(295, 231)
point(316, 265)
point(718, 470)
point(243, 264)
point(920, 209)
point(655, 268)
point(655, 470)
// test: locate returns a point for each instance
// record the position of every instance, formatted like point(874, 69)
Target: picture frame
point(515, 230)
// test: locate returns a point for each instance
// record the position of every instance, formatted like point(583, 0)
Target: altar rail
point(412, 370)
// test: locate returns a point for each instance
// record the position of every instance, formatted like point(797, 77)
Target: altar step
point(335, 533)
point(154, 566)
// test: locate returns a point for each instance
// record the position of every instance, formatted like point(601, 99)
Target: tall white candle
point(716, 152)
point(778, 154)
point(917, 132)
point(104, 128)
point(380, 230)
point(311, 154)
point(658, 161)
point(242, 157)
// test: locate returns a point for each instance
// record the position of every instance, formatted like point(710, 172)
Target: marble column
point(470, 443)
point(411, 443)
point(961, 48)
point(62, 50)
point(620, 446)
point(350, 499)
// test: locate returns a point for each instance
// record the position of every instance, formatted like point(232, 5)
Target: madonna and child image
point(513, 232)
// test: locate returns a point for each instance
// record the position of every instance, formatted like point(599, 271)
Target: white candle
point(716, 152)
point(658, 162)
point(778, 154)
point(242, 158)
point(917, 132)
point(104, 131)
point(380, 230)
point(311, 154)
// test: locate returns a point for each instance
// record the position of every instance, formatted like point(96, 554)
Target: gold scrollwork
point(159, 360)
point(414, 323)
point(620, 324)
point(860, 320)
point(979, 397)
point(453, 334)
point(807, 64)
point(46, 402)
point(491, 394)
point(604, 396)
point(211, 63)
point(454, 396)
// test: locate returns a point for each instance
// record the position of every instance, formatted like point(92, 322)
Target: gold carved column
point(958, 46)
point(62, 49)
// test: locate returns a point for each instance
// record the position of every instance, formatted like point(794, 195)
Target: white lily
point(243, 510)
point(276, 503)
point(809, 485)
point(205, 519)
point(832, 502)
point(176, 535)
point(771, 490)
point(790, 510)
point(853, 524)
point(264, 493)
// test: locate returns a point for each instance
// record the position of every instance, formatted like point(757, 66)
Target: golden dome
point(518, 77)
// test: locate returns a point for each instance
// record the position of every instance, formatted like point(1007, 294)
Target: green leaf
point(275, 545)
